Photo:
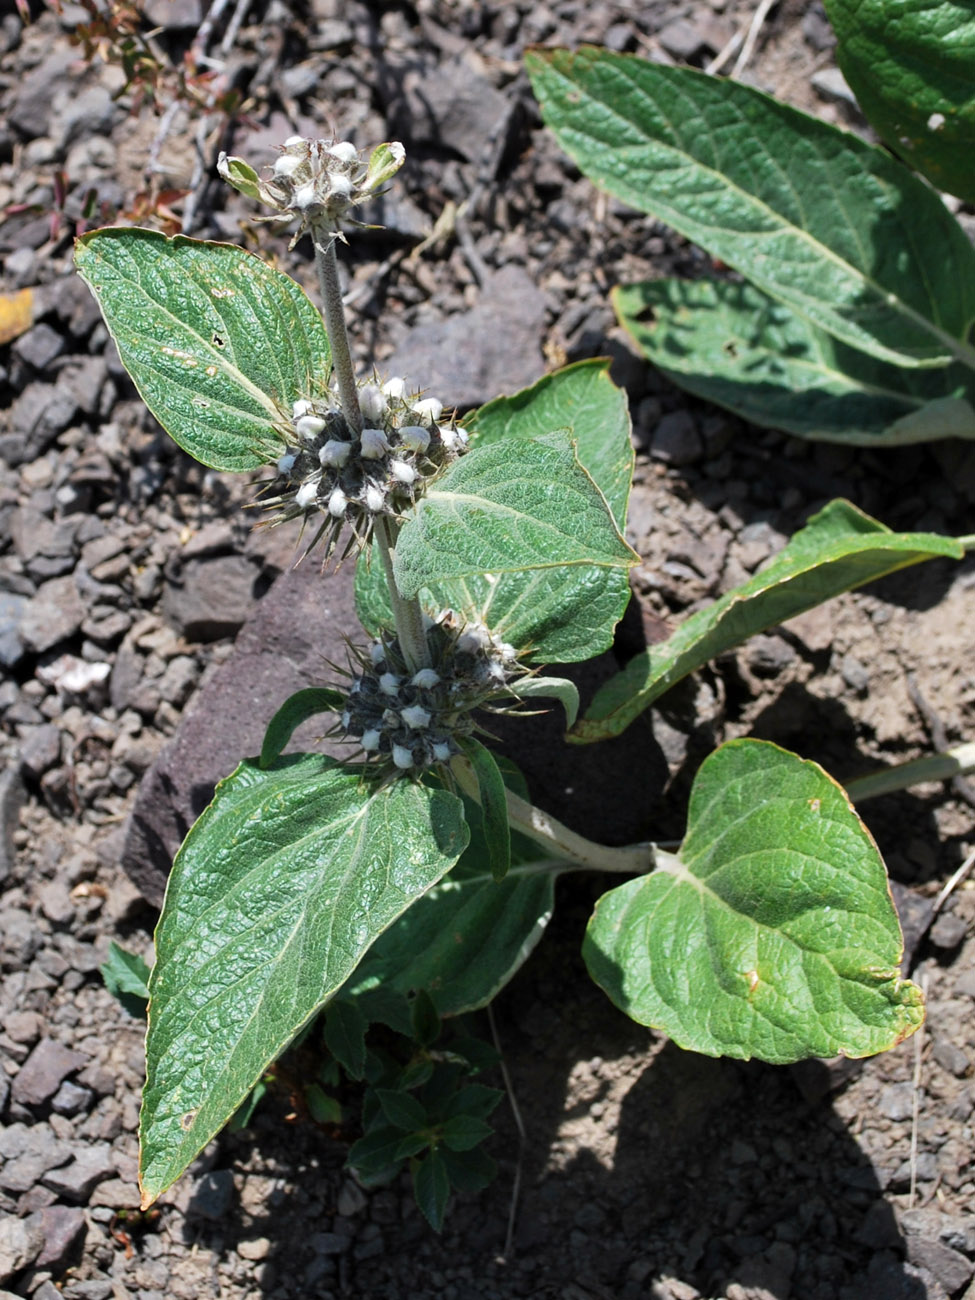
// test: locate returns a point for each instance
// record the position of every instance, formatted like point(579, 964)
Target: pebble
point(53, 615)
point(212, 597)
point(951, 1057)
point(948, 931)
point(676, 440)
point(64, 1228)
point(44, 1071)
point(39, 346)
point(20, 1244)
point(213, 1195)
point(74, 1181)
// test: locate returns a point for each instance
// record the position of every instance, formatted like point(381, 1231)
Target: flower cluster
point(336, 476)
point(412, 720)
point(317, 181)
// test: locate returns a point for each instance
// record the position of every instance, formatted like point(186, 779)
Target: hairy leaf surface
point(219, 344)
point(834, 227)
point(279, 889)
point(839, 549)
point(772, 933)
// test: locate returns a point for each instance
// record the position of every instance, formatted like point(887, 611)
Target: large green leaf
point(509, 507)
point(839, 549)
point(732, 344)
point(565, 614)
point(465, 938)
point(772, 932)
point(278, 891)
point(832, 226)
point(911, 65)
point(219, 344)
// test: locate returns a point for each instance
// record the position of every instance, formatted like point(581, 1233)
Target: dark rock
point(12, 797)
point(212, 598)
point(20, 1244)
point(950, 1267)
point(54, 614)
point(64, 1230)
point(91, 1165)
point(39, 346)
point(914, 912)
point(213, 1195)
point(454, 105)
point(951, 1057)
point(676, 440)
point(44, 1071)
point(35, 419)
point(467, 359)
point(30, 111)
point(71, 1099)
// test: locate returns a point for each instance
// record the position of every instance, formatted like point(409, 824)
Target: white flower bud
point(377, 653)
point(337, 503)
point(300, 408)
point(286, 462)
point(344, 150)
point(334, 453)
point(372, 403)
point(286, 165)
point(402, 472)
point(369, 740)
point(473, 638)
point(402, 757)
point(294, 140)
point(306, 196)
point(373, 444)
point(416, 717)
point(441, 751)
point(346, 718)
point(306, 495)
point(389, 684)
point(373, 499)
point(309, 426)
point(428, 409)
point(395, 388)
point(340, 186)
point(414, 437)
point(426, 678)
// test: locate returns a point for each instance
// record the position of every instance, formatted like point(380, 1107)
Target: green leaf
point(550, 688)
point(834, 227)
point(296, 709)
point(839, 549)
point(465, 938)
point(911, 65)
point(321, 1107)
point(731, 344)
point(219, 344)
point(772, 933)
point(494, 805)
point(474, 1099)
point(279, 889)
point(374, 1157)
point(424, 1019)
point(431, 1187)
point(402, 1110)
point(345, 1036)
point(126, 977)
point(470, 1171)
point(411, 1145)
point(509, 508)
point(566, 614)
point(464, 1132)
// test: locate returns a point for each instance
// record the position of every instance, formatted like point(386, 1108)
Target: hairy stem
point(933, 767)
point(406, 613)
point(326, 263)
point(558, 840)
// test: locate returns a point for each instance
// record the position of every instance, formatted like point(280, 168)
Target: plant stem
point(558, 840)
point(326, 263)
point(407, 614)
point(967, 543)
point(933, 767)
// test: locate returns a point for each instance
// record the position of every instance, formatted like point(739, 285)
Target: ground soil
point(644, 1171)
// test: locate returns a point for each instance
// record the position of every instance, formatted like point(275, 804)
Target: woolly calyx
point(317, 181)
point(413, 722)
point(334, 477)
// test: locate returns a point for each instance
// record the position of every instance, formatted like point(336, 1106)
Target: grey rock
point(467, 359)
point(676, 440)
point(897, 1101)
point(329, 1243)
point(951, 1057)
point(855, 674)
point(950, 1267)
point(64, 1230)
point(91, 1165)
point(91, 112)
point(12, 798)
point(92, 1289)
point(35, 419)
point(12, 606)
point(20, 1244)
point(71, 1099)
point(914, 912)
point(212, 598)
point(30, 1151)
point(40, 749)
point(55, 613)
point(831, 86)
point(174, 15)
point(682, 39)
point(44, 1071)
point(20, 268)
point(30, 111)
point(39, 346)
point(55, 901)
point(213, 1196)
point(19, 937)
point(351, 1199)
point(948, 931)
point(454, 105)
